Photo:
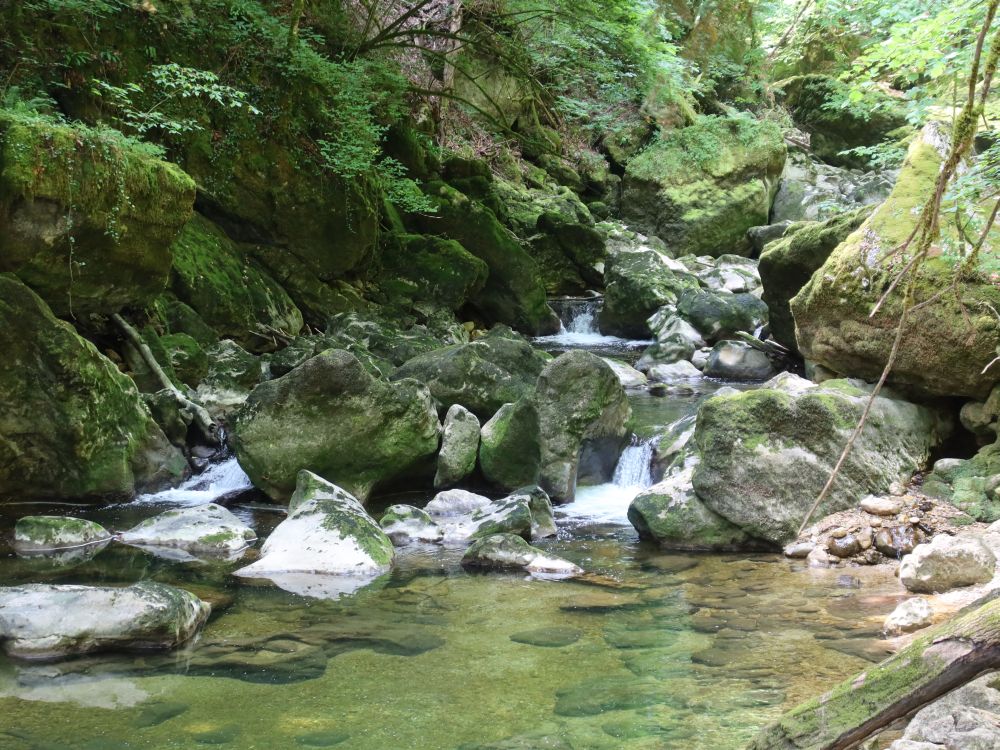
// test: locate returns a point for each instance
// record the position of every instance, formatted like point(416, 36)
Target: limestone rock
point(459, 447)
point(881, 506)
point(331, 417)
point(463, 515)
point(481, 376)
point(946, 563)
point(510, 552)
point(706, 205)
point(965, 719)
point(327, 533)
point(39, 533)
point(766, 454)
point(510, 448)
point(736, 360)
point(913, 614)
point(404, 524)
point(39, 621)
point(207, 529)
point(72, 425)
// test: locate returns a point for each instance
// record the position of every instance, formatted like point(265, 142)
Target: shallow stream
point(653, 650)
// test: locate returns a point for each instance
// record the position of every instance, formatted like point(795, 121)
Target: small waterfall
point(215, 482)
point(581, 318)
point(634, 468)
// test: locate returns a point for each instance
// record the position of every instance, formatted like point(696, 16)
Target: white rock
point(627, 375)
point(405, 524)
point(945, 563)
point(799, 550)
point(39, 621)
point(964, 719)
point(682, 370)
point(881, 506)
point(820, 558)
point(327, 532)
point(913, 614)
point(201, 529)
point(456, 503)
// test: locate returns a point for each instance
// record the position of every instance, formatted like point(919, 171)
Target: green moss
point(440, 271)
point(87, 216)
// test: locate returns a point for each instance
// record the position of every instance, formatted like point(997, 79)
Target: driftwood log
point(935, 664)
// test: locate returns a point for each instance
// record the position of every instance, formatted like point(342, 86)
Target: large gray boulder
point(464, 515)
point(72, 426)
point(765, 454)
point(39, 621)
point(736, 360)
point(459, 447)
point(638, 282)
point(482, 376)
point(330, 416)
point(327, 533)
point(946, 563)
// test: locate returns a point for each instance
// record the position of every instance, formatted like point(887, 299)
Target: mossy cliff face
point(702, 187)
point(514, 293)
point(812, 99)
point(86, 219)
point(416, 269)
point(787, 265)
point(331, 417)
point(230, 291)
point(72, 425)
point(942, 353)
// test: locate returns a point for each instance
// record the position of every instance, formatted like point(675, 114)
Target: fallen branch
point(197, 412)
point(933, 665)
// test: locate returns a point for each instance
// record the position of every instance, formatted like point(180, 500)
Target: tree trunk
point(198, 413)
point(933, 665)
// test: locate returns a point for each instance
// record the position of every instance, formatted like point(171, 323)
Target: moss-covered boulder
point(481, 376)
point(766, 454)
point(970, 484)
point(942, 352)
point(639, 281)
point(72, 426)
point(203, 530)
point(819, 106)
point(86, 218)
point(459, 447)
point(186, 358)
point(721, 315)
point(702, 187)
point(514, 293)
point(228, 289)
point(571, 254)
point(417, 268)
point(510, 552)
point(327, 533)
point(404, 524)
point(510, 448)
point(672, 515)
point(582, 416)
point(331, 417)
point(37, 533)
point(786, 265)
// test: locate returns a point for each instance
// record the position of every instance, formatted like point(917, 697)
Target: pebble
point(896, 489)
point(799, 550)
point(838, 533)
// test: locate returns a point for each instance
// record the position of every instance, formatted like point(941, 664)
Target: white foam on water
point(608, 503)
point(581, 330)
point(217, 480)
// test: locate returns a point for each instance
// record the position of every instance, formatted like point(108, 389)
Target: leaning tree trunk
point(198, 414)
point(935, 664)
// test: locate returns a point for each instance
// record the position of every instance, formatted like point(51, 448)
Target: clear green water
point(654, 651)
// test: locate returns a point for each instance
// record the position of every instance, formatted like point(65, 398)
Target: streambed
point(656, 650)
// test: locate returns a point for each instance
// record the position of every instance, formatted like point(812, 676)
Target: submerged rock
point(946, 563)
point(331, 417)
point(404, 524)
point(206, 529)
point(510, 552)
point(40, 533)
point(327, 533)
point(766, 454)
point(459, 447)
point(72, 426)
point(39, 621)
